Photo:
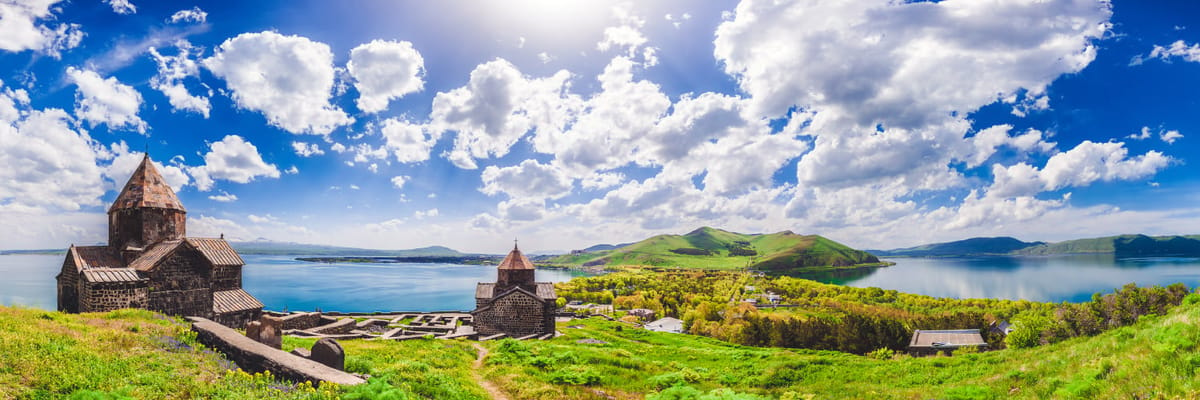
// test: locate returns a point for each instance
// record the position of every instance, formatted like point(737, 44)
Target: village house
point(150, 263)
point(668, 324)
point(515, 304)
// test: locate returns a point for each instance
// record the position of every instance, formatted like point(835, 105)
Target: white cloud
point(22, 28)
point(292, 171)
point(598, 181)
point(307, 149)
point(287, 78)
point(48, 164)
point(106, 101)
point(430, 213)
point(1141, 135)
point(233, 159)
point(545, 57)
point(194, 15)
point(987, 141)
point(399, 180)
point(125, 162)
point(122, 6)
point(224, 197)
point(530, 179)
point(408, 142)
point(1170, 136)
point(385, 70)
point(1177, 49)
point(496, 108)
point(522, 209)
point(172, 70)
point(1088, 162)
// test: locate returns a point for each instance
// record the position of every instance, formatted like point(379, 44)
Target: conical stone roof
point(516, 260)
point(147, 188)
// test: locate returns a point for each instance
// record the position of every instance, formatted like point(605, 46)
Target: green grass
point(139, 354)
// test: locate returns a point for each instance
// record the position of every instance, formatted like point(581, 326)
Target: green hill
point(711, 248)
point(1123, 246)
point(968, 247)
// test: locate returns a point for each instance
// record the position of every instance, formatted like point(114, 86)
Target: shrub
point(1027, 332)
point(882, 353)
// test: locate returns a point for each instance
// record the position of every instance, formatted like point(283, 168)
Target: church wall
point(226, 278)
point(68, 286)
point(237, 319)
point(180, 285)
point(145, 226)
point(108, 296)
point(516, 314)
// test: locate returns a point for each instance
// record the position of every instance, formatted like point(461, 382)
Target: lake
point(1052, 278)
point(282, 283)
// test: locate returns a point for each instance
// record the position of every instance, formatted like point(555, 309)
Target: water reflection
point(1051, 278)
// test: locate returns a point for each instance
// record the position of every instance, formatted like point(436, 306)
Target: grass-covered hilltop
point(710, 248)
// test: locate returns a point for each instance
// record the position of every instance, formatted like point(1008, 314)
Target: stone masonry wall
point(237, 319)
point(108, 296)
point(302, 321)
point(226, 278)
point(181, 286)
point(68, 287)
point(145, 226)
point(516, 314)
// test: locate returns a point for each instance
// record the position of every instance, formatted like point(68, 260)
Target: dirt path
point(492, 389)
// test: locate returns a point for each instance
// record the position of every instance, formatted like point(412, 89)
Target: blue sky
point(390, 124)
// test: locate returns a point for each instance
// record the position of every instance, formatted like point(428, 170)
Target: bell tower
point(145, 213)
point(515, 270)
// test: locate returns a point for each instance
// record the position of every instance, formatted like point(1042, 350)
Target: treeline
point(857, 320)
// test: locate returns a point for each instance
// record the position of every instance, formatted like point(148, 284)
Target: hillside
point(967, 247)
point(1123, 246)
point(266, 247)
point(138, 354)
point(783, 252)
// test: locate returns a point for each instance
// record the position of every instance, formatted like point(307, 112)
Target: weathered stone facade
point(515, 305)
point(150, 263)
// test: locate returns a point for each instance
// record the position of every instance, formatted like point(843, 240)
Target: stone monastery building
point(515, 305)
point(150, 263)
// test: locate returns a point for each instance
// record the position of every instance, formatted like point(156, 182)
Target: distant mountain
point(968, 247)
point(1123, 246)
point(262, 247)
point(782, 252)
point(604, 247)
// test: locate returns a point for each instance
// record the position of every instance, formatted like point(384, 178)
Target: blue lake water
point(1053, 278)
point(281, 282)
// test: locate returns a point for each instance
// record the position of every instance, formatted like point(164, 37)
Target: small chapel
point(515, 305)
point(150, 263)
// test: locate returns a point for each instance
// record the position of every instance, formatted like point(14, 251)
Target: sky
point(403, 124)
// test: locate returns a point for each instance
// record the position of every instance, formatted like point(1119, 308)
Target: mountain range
point(1122, 246)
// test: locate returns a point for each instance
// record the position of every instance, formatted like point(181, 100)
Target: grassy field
point(138, 354)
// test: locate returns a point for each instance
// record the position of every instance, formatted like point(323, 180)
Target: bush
point(882, 353)
point(1027, 332)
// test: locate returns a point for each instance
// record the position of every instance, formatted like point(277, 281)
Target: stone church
point(150, 263)
point(515, 305)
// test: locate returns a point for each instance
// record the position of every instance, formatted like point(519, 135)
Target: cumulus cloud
point(122, 6)
point(172, 70)
point(232, 159)
point(903, 64)
point(408, 142)
point(1179, 48)
point(48, 164)
point(529, 179)
point(1170, 136)
point(22, 27)
point(496, 107)
point(307, 149)
point(422, 214)
point(286, 77)
point(194, 15)
point(385, 70)
point(106, 101)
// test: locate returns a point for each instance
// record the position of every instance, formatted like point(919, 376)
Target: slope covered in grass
point(1122, 246)
point(1157, 357)
point(711, 248)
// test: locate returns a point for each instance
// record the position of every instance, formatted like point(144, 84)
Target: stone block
point(302, 352)
point(329, 352)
